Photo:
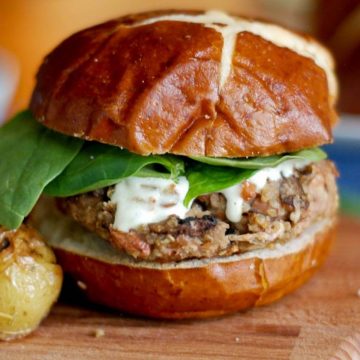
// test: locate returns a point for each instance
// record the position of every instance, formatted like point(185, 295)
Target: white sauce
point(148, 200)
point(230, 26)
point(285, 169)
point(141, 201)
point(234, 201)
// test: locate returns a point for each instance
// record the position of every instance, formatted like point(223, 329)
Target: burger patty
point(279, 212)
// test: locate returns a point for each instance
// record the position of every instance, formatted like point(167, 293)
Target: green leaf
point(314, 154)
point(204, 179)
point(34, 158)
point(30, 157)
point(98, 165)
point(208, 175)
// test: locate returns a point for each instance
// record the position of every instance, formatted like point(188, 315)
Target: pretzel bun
point(189, 83)
point(188, 289)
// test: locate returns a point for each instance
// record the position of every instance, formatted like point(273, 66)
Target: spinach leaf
point(204, 179)
point(98, 165)
point(207, 174)
point(30, 157)
point(314, 154)
point(34, 159)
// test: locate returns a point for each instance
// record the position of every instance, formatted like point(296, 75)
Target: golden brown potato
point(30, 281)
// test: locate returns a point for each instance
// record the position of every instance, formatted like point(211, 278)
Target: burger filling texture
point(164, 208)
point(238, 219)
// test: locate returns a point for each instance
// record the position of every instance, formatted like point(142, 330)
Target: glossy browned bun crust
point(197, 292)
point(155, 89)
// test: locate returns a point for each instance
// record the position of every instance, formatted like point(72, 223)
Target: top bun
point(189, 83)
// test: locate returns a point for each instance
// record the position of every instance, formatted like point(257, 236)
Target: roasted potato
point(30, 281)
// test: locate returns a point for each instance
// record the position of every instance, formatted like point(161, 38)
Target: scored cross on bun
point(236, 206)
point(189, 83)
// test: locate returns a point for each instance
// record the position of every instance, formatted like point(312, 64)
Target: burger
point(171, 159)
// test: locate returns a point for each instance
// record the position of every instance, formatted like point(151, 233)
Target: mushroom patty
point(277, 213)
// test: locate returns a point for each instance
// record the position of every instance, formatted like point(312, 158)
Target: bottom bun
point(188, 289)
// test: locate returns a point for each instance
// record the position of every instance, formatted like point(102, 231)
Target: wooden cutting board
point(318, 321)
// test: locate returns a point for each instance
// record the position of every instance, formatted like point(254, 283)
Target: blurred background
point(29, 29)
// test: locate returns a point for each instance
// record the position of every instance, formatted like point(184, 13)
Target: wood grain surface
point(319, 321)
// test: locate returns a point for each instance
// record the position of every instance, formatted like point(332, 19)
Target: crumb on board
point(237, 339)
point(81, 285)
point(358, 292)
point(98, 333)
